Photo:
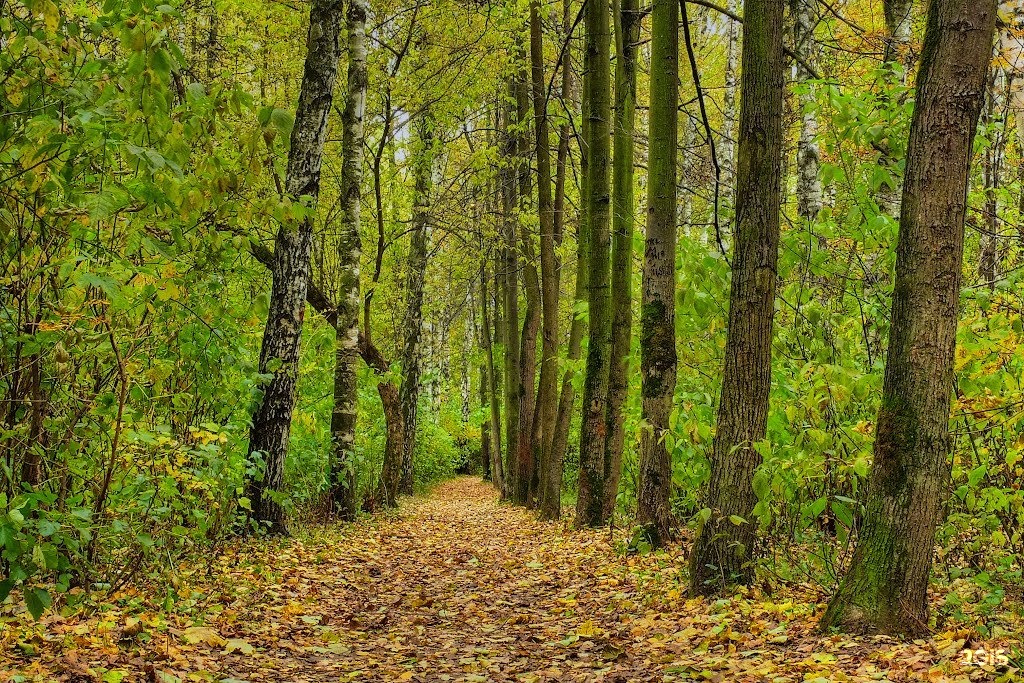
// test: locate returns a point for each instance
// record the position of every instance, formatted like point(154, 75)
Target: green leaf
point(36, 601)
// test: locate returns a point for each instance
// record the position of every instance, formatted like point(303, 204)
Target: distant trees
point(886, 586)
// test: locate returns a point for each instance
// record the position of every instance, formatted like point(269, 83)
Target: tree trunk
point(886, 587)
point(728, 147)
point(898, 58)
point(808, 180)
point(510, 314)
point(484, 340)
point(547, 392)
point(897, 28)
point(394, 448)
point(627, 36)
point(524, 458)
point(725, 545)
point(657, 318)
point(343, 419)
point(593, 432)
point(415, 277)
point(279, 354)
point(988, 257)
point(553, 463)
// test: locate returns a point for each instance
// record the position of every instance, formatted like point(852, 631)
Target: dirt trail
point(456, 587)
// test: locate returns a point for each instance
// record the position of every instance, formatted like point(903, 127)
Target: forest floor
point(456, 587)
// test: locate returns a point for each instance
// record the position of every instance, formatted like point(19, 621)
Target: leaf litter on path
point(456, 587)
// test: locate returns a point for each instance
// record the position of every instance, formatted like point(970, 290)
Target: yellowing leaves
point(396, 598)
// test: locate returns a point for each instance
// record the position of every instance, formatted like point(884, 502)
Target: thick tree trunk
point(627, 36)
point(343, 419)
point(886, 587)
point(808, 179)
point(724, 548)
point(279, 354)
point(657, 318)
point(423, 167)
point(593, 432)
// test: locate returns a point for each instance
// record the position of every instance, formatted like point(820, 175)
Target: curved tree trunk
point(279, 354)
point(724, 548)
point(657, 318)
point(627, 36)
point(343, 419)
point(597, 65)
point(886, 587)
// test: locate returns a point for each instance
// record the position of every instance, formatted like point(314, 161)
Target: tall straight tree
point(343, 419)
point(597, 65)
point(657, 319)
point(423, 171)
point(524, 467)
point(509, 288)
point(551, 500)
point(547, 391)
point(724, 548)
point(886, 587)
point(627, 36)
point(279, 353)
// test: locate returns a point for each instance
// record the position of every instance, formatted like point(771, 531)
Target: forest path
point(455, 587)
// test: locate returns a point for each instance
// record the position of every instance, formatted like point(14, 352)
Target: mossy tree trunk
point(279, 353)
point(886, 587)
point(343, 418)
point(627, 36)
point(510, 297)
point(657, 318)
point(724, 548)
point(593, 431)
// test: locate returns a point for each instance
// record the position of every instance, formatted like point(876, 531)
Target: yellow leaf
point(238, 645)
point(194, 635)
